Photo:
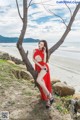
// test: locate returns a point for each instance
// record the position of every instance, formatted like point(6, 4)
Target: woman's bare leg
point(41, 81)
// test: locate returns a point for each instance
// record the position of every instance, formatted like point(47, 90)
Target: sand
point(66, 69)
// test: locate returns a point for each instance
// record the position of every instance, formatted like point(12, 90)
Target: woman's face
point(41, 45)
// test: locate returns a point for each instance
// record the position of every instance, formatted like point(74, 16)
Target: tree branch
point(54, 14)
point(68, 8)
point(59, 17)
point(19, 10)
point(36, 3)
point(56, 46)
point(29, 3)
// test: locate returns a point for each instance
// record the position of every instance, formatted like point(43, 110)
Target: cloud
point(41, 24)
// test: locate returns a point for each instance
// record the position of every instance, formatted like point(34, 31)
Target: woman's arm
point(36, 61)
point(44, 54)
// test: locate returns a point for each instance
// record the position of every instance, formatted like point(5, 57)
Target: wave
point(70, 49)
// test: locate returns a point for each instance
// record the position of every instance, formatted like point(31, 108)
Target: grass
point(6, 69)
point(61, 103)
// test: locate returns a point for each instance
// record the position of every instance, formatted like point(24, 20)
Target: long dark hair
point(46, 46)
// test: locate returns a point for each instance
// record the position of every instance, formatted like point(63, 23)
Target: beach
point(66, 69)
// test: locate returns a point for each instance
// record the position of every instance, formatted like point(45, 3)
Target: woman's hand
point(44, 49)
point(43, 67)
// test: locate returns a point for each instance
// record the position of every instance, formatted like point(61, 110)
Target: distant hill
point(15, 39)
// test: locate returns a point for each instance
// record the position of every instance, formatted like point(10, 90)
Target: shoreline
point(62, 68)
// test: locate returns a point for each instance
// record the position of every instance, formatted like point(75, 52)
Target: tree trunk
point(51, 50)
point(20, 41)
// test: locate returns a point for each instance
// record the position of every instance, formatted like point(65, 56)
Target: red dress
point(46, 78)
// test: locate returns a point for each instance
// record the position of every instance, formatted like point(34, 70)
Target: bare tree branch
point(68, 8)
point(29, 3)
point(56, 46)
point(59, 17)
point(19, 10)
point(36, 3)
point(54, 14)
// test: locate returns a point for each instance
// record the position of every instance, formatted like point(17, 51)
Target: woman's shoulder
point(35, 49)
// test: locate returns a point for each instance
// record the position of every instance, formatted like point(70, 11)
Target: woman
point(40, 57)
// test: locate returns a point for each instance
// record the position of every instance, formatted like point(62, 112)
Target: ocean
point(67, 49)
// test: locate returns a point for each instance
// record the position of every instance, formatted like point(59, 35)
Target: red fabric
point(46, 78)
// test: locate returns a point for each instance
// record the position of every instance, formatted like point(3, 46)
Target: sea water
point(68, 49)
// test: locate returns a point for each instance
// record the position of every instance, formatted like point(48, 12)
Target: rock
point(25, 75)
point(75, 109)
point(21, 74)
point(16, 60)
point(62, 89)
point(10, 61)
point(6, 56)
point(76, 96)
point(53, 81)
point(32, 80)
point(65, 82)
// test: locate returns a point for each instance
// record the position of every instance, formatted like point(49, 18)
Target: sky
point(42, 24)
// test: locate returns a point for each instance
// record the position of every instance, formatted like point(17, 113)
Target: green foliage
point(6, 68)
point(62, 103)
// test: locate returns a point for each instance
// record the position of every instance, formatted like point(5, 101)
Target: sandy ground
point(66, 69)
